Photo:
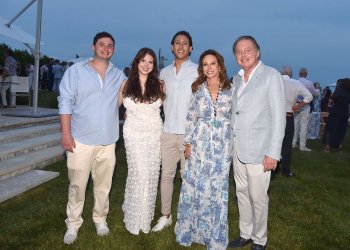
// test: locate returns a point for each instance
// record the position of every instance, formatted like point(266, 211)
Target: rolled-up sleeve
point(66, 99)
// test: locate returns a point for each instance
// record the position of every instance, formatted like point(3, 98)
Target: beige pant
point(100, 161)
point(252, 184)
point(172, 151)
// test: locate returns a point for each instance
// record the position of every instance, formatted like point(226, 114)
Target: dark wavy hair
point(153, 86)
point(222, 74)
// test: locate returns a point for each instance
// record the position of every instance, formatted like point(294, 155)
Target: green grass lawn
point(310, 211)
point(46, 99)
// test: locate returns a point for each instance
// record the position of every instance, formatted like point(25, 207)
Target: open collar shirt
point(92, 103)
point(178, 95)
point(244, 83)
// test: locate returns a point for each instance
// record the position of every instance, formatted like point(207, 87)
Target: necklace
point(215, 102)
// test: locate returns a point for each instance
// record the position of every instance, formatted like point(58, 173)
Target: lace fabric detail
point(142, 131)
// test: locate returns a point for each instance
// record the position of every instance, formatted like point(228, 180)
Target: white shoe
point(163, 222)
point(102, 229)
point(305, 149)
point(70, 235)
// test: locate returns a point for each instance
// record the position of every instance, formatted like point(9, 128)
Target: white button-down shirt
point(92, 103)
point(294, 88)
point(178, 95)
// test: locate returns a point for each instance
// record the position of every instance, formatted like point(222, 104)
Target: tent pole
point(19, 13)
point(37, 56)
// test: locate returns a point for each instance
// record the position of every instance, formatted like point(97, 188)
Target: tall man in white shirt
point(293, 89)
point(301, 118)
point(178, 78)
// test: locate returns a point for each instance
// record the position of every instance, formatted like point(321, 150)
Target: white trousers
point(301, 122)
point(252, 184)
point(100, 162)
point(4, 88)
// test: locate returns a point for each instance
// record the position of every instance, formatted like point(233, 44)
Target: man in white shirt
point(178, 78)
point(301, 118)
point(293, 89)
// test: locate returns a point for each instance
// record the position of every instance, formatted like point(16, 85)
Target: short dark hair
point(250, 38)
point(184, 33)
point(102, 35)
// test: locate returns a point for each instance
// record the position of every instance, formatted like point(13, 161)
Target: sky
point(298, 33)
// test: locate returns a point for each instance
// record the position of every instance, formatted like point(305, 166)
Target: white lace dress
point(142, 131)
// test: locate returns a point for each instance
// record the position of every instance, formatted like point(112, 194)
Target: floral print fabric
point(203, 204)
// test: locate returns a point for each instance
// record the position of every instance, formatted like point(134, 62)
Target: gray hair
point(303, 72)
point(287, 70)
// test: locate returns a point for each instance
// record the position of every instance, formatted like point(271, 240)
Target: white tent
point(15, 33)
point(10, 30)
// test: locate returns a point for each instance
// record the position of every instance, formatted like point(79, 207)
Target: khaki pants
point(100, 161)
point(172, 151)
point(252, 184)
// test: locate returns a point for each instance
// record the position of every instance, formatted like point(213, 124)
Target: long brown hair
point(222, 74)
point(153, 86)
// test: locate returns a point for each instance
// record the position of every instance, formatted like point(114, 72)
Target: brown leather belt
point(289, 114)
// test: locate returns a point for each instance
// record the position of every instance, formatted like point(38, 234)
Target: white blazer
point(259, 116)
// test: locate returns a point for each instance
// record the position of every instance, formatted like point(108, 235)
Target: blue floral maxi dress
point(203, 203)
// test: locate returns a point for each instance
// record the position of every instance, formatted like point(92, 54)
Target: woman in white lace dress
point(142, 95)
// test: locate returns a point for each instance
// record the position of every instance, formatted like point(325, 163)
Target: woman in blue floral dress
point(203, 203)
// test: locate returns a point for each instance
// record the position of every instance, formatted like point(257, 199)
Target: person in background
point(57, 70)
point(10, 69)
point(293, 89)
point(178, 78)
point(142, 94)
point(203, 204)
point(337, 121)
point(88, 108)
point(258, 123)
point(301, 118)
point(44, 77)
point(326, 94)
point(127, 71)
point(30, 74)
point(51, 75)
point(315, 119)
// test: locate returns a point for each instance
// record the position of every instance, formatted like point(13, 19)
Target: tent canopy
point(16, 33)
